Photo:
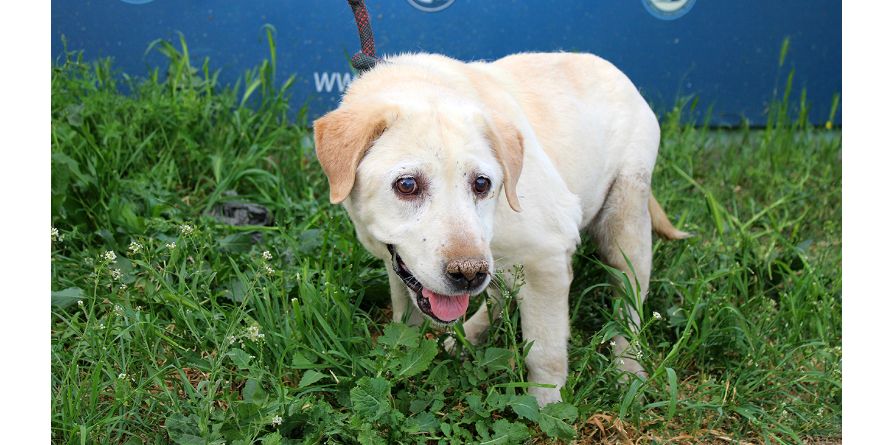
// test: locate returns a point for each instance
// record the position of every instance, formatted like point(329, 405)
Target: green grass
point(209, 341)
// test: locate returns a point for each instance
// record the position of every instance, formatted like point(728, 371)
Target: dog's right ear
point(342, 137)
point(507, 144)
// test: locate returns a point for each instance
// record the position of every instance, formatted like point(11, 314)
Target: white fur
point(590, 143)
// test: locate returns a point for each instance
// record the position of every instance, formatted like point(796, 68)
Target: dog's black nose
point(461, 281)
point(467, 273)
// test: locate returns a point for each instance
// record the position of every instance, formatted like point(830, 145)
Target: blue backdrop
point(725, 53)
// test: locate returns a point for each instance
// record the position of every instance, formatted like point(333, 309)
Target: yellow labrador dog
point(451, 171)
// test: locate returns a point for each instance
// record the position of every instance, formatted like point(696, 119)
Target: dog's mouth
point(442, 308)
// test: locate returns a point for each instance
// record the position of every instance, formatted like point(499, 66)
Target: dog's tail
point(660, 223)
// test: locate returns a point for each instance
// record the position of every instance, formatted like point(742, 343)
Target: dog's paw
point(545, 396)
point(449, 345)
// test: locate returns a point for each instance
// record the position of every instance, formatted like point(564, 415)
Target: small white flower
point(656, 315)
point(267, 255)
point(123, 286)
point(135, 247)
point(101, 326)
point(612, 343)
point(56, 236)
point(635, 346)
point(118, 309)
point(254, 333)
point(116, 274)
point(232, 339)
point(170, 246)
point(276, 421)
point(121, 376)
point(269, 270)
point(80, 303)
point(110, 256)
point(185, 229)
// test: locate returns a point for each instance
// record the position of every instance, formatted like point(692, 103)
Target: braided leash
point(365, 59)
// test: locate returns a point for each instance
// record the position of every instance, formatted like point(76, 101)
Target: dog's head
point(421, 179)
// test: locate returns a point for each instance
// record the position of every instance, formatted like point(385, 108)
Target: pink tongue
point(447, 307)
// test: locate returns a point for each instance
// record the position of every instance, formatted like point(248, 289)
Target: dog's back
point(587, 116)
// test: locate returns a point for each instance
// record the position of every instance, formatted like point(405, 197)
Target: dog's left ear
point(507, 143)
point(342, 138)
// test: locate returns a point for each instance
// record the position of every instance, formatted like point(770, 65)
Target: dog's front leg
point(544, 313)
point(403, 309)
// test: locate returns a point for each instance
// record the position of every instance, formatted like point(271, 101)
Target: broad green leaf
point(423, 422)
point(236, 290)
point(64, 298)
point(509, 432)
point(439, 376)
point(526, 407)
point(495, 358)
point(556, 420)
point(301, 361)
point(497, 401)
point(416, 360)
point(398, 334)
point(187, 439)
point(253, 392)
point(418, 405)
point(310, 377)
point(236, 243)
point(183, 430)
point(239, 357)
point(369, 436)
point(475, 403)
point(124, 214)
point(371, 398)
point(310, 240)
point(73, 166)
point(272, 439)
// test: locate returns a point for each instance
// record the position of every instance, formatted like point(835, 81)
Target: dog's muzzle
point(443, 308)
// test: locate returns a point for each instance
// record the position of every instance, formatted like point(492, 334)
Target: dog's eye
point(406, 185)
point(482, 185)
